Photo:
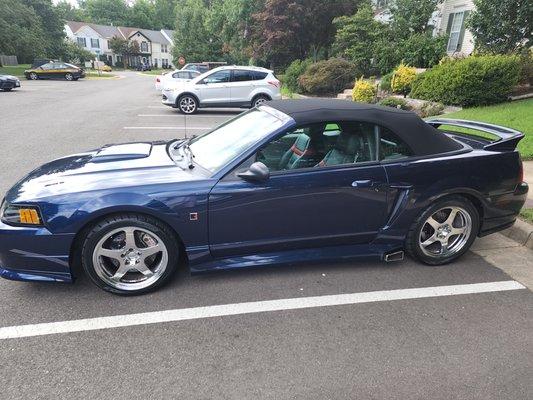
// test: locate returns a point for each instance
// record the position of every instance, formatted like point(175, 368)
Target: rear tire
point(33, 76)
point(259, 99)
point(444, 232)
point(69, 76)
point(130, 254)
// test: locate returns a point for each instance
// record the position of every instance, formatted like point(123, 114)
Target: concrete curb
point(521, 232)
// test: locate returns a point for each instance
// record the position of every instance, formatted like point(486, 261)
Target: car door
point(308, 205)
point(214, 89)
point(241, 86)
point(46, 70)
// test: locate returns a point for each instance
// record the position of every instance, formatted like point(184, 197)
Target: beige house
point(449, 18)
point(154, 46)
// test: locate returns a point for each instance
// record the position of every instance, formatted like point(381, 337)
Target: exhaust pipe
point(394, 256)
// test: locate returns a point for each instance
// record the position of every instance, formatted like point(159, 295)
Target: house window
point(164, 48)
point(144, 47)
point(95, 43)
point(82, 42)
point(455, 26)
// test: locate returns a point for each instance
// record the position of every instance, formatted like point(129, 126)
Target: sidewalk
point(528, 177)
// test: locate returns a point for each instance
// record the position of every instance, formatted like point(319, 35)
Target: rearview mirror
point(257, 172)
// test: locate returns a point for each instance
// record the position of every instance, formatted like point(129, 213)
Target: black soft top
point(421, 137)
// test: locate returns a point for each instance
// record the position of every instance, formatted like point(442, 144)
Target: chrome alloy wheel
point(187, 105)
point(130, 258)
point(445, 232)
point(33, 76)
point(259, 101)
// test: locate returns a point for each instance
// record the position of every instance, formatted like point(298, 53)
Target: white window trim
point(457, 33)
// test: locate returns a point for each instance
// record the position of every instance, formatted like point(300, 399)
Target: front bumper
point(34, 254)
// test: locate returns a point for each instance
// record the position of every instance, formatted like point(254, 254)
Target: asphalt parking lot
point(438, 344)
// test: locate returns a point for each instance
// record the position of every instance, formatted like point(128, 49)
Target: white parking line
point(176, 115)
point(90, 324)
point(168, 127)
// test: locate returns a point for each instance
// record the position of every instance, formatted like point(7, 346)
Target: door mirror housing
point(257, 172)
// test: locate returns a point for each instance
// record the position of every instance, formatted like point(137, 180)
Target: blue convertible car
point(289, 181)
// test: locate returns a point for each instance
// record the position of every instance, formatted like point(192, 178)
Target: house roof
point(421, 137)
point(108, 31)
point(105, 31)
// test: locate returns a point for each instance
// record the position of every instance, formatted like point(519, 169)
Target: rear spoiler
point(508, 138)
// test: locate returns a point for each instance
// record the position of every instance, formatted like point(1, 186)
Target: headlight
point(20, 215)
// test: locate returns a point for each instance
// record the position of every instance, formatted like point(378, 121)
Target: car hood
point(111, 167)
point(9, 77)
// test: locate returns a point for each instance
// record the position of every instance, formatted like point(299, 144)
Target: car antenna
point(185, 124)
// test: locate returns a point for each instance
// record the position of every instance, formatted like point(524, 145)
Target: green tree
point(412, 16)
point(142, 15)
point(21, 32)
point(358, 36)
point(165, 13)
point(106, 12)
point(193, 39)
point(69, 12)
point(53, 25)
point(501, 26)
point(76, 54)
point(123, 47)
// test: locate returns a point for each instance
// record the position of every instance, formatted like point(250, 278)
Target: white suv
point(228, 86)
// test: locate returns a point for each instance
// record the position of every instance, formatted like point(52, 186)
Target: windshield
point(217, 148)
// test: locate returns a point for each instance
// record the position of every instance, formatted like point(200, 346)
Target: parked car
point(52, 70)
point(9, 82)
point(203, 66)
point(293, 180)
point(231, 86)
point(174, 76)
point(144, 67)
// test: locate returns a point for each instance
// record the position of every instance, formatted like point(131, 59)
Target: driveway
point(352, 330)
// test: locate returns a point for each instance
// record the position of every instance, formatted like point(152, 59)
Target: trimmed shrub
point(364, 91)
point(328, 77)
point(472, 81)
point(293, 72)
point(430, 109)
point(385, 83)
point(526, 67)
point(395, 102)
point(402, 78)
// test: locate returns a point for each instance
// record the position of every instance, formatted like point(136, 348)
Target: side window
point(259, 75)
point(391, 147)
point(218, 77)
point(323, 144)
point(242, 76)
point(47, 66)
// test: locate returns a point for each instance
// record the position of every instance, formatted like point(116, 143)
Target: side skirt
point(323, 254)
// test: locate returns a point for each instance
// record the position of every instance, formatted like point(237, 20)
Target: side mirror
point(257, 172)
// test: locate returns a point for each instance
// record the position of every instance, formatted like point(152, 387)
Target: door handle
point(366, 183)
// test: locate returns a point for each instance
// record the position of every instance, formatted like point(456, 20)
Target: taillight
point(521, 173)
point(157, 80)
point(275, 83)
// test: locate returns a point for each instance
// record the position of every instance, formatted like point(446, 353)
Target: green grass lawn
point(16, 70)
point(103, 75)
point(527, 214)
point(156, 71)
point(517, 115)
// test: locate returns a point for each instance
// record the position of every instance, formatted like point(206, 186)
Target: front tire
point(188, 104)
point(130, 254)
point(444, 232)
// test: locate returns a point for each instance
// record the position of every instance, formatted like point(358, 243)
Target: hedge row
point(471, 81)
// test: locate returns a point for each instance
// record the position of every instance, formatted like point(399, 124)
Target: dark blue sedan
point(290, 181)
